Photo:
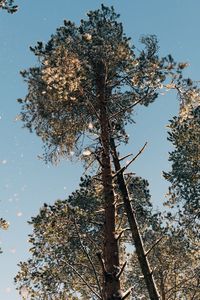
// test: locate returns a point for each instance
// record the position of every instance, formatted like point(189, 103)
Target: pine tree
point(184, 177)
point(87, 83)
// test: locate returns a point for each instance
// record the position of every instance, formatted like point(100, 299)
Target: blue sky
point(26, 182)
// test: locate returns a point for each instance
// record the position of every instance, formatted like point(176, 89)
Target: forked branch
point(130, 162)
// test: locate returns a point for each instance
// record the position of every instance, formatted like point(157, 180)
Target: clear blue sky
point(27, 182)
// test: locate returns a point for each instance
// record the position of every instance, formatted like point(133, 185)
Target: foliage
point(61, 105)
point(175, 265)
point(184, 194)
point(65, 235)
point(184, 176)
point(68, 236)
point(8, 5)
point(3, 225)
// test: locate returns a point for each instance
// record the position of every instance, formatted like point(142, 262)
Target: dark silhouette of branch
point(122, 269)
point(129, 107)
point(132, 160)
point(126, 156)
point(156, 242)
point(82, 278)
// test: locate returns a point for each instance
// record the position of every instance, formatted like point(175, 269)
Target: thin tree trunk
point(111, 249)
point(139, 247)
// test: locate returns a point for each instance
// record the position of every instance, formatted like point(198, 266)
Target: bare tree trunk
point(111, 249)
point(142, 258)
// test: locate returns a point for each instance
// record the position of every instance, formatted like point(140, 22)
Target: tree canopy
point(184, 177)
point(62, 105)
point(67, 235)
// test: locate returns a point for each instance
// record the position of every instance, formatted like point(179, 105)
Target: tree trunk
point(111, 250)
point(139, 247)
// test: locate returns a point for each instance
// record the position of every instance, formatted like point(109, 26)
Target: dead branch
point(127, 108)
point(156, 243)
point(127, 293)
point(82, 278)
point(122, 269)
point(121, 232)
point(124, 157)
point(130, 162)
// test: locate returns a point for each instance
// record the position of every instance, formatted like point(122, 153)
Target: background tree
point(176, 270)
point(8, 5)
point(184, 177)
point(3, 225)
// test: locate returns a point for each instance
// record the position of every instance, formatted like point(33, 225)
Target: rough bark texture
point(139, 247)
point(111, 250)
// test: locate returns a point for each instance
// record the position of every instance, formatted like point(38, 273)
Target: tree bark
point(139, 247)
point(111, 249)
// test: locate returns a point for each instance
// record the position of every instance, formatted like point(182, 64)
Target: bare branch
point(129, 173)
point(127, 108)
point(124, 157)
point(132, 160)
point(121, 232)
point(98, 158)
point(135, 157)
point(127, 293)
point(82, 278)
point(122, 269)
point(156, 242)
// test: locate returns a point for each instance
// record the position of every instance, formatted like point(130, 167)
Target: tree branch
point(122, 231)
point(127, 108)
point(122, 269)
point(127, 293)
point(132, 160)
point(82, 278)
point(88, 257)
point(156, 242)
point(124, 157)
